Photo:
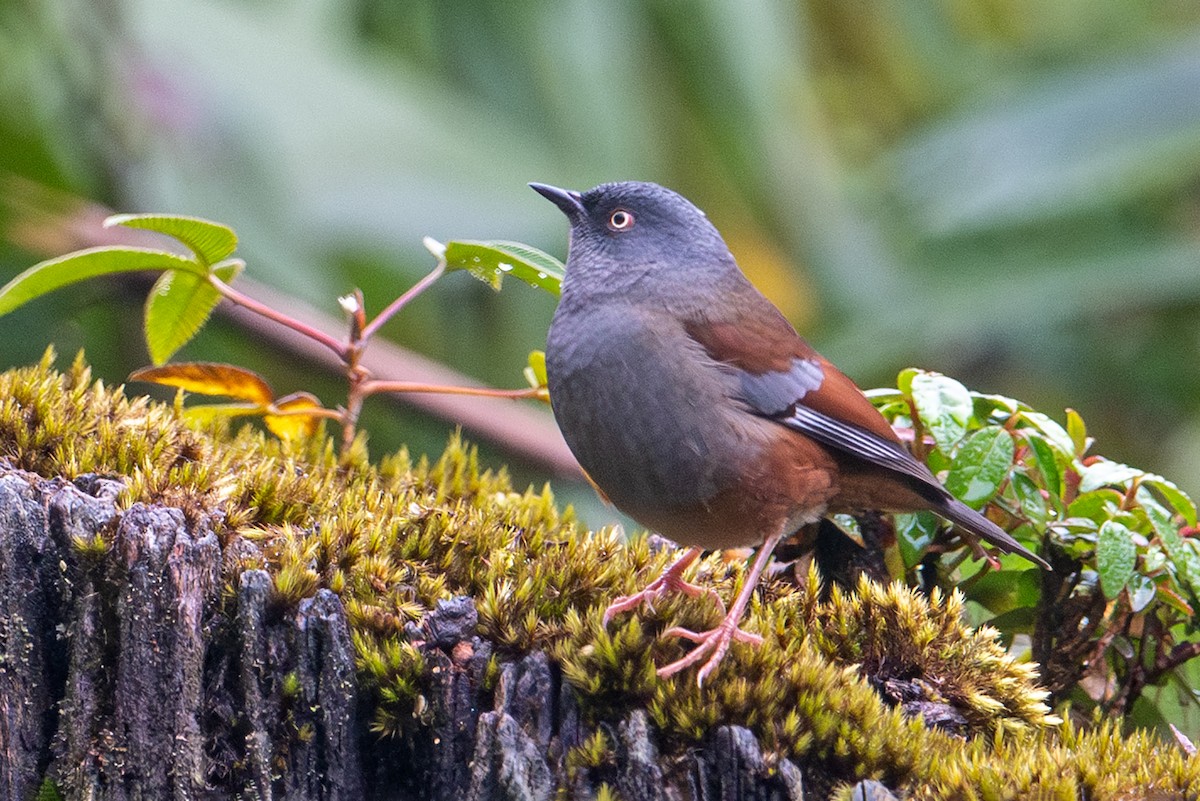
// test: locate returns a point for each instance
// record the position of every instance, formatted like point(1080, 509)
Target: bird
point(696, 409)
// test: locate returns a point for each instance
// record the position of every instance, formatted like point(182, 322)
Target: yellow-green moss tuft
point(395, 538)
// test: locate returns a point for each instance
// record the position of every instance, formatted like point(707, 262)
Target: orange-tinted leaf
point(208, 378)
point(296, 424)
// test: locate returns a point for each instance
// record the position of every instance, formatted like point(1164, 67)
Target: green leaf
point(1182, 551)
point(914, 533)
point(986, 404)
point(1018, 620)
point(535, 373)
point(49, 275)
point(1078, 432)
point(981, 466)
point(1047, 464)
point(178, 305)
point(1033, 505)
point(1055, 434)
point(1180, 501)
point(1003, 590)
point(849, 525)
point(945, 406)
point(1116, 557)
point(491, 261)
point(1141, 592)
point(1103, 473)
point(210, 241)
point(1098, 505)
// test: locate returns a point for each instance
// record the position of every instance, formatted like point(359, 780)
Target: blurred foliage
point(1001, 189)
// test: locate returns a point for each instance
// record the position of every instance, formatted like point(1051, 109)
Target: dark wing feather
point(870, 448)
point(781, 377)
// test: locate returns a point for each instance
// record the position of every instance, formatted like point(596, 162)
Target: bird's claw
point(670, 581)
point(713, 643)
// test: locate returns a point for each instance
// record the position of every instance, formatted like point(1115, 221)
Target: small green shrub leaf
point(1047, 464)
point(1097, 505)
point(1103, 473)
point(1116, 557)
point(915, 531)
point(1179, 500)
point(491, 261)
point(945, 407)
point(1078, 432)
point(1182, 551)
point(535, 372)
point(1142, 590)
point(178, 305)
point(981, 466)
point(47, 276)
point(210, 241)
point(1029, 495)
point(1055, 434)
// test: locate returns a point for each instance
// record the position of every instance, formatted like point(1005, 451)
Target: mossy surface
point(395, 537)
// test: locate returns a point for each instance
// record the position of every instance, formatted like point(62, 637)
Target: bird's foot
point(670, 581)
point(712, 644)
point(657, 589)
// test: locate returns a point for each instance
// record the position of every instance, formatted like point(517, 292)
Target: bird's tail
point(964, 516)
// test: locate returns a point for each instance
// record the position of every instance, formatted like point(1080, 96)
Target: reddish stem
point(402, 301)
point(372, 387)
point(253, 305)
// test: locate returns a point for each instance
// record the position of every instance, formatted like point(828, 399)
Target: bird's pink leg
point(715, 642)
point(670, 580)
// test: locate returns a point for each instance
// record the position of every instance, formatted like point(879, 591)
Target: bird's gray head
point(632, 231)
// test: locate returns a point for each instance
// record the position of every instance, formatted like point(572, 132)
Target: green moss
point(394, 538)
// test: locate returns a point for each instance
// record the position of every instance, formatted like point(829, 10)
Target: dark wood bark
point(127, 677)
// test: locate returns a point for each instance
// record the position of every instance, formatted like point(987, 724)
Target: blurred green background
point(1007, 191)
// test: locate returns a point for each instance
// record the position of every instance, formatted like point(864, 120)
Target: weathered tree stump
point(128, 676)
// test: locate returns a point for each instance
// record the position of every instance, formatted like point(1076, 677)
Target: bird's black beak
point(568, 201)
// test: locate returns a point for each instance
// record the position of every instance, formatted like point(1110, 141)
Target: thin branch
point(372, 387)
point(299, 327)
point(402, 301)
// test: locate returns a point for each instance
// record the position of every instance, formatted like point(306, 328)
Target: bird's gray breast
point(646, 412)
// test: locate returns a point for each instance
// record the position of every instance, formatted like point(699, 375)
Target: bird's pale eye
point(620, 220)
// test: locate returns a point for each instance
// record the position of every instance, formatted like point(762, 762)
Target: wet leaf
point(945, 407)
point(1033, 505)
point(1116, 557)
point(1046, 462)
point(491, 261)
point(915, 532)
point(1141, 592)
point(1055, 434)
point(1103, 473)
point(1098, 505)
point(981, 466)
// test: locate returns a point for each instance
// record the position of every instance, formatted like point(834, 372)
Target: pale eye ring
point(620, 220)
